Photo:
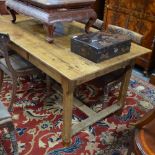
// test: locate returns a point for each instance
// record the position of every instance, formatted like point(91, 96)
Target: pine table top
point(57, 58)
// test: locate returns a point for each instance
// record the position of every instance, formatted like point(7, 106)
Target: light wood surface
point(125, 83)
point(94, 118)
point(68, 90)
point(29, 35)
point(67, 68)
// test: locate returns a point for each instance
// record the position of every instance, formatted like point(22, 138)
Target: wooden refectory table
point(67, 68)
point(52, 11)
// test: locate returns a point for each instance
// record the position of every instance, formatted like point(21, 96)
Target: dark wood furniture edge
point(145, 120)
point(152, 78)
point(57, 6)
point(146, 61)
point(49, 18)
point(3, 10)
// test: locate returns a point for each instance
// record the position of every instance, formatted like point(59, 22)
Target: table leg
point(49, 30)
point(91, 21)
point(13, 14)
point(48, 84)
point(13, 138)
point(124, 86)
point(68, 90)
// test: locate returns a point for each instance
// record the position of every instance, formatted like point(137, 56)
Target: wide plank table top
point(29, 36)
point(59, 3)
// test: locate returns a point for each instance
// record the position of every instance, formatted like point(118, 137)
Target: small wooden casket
point(100, 46)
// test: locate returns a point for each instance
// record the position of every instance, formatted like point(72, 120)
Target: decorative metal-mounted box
point(100, 46)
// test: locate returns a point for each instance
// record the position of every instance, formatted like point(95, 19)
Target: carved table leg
point(67, 112)
point(13, 14)
point(49, 30)
point(91, 21)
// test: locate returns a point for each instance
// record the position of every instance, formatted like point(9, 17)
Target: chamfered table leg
point(67, 111)
point(124, 85)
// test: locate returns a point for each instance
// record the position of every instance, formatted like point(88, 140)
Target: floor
point(139, 73)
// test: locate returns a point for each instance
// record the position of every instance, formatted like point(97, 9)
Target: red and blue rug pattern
point(38, 118)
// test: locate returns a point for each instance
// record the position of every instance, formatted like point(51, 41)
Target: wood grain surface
point(69, 69)
point(138, 16)
point(28, 34)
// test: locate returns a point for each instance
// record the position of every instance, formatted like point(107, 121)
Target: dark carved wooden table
point(51, 11)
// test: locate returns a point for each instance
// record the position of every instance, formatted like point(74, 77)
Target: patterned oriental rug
point(38, 118)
